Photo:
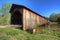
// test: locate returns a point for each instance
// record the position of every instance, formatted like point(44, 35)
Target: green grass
point(16, 34)
point(53, 22)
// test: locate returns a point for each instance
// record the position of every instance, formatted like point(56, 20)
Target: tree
point(5, 13)
point(5, 8)
point(55, 18)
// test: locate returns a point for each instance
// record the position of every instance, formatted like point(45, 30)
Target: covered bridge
point(28, 19)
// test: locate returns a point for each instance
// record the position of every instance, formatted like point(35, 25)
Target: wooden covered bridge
point(28, 19)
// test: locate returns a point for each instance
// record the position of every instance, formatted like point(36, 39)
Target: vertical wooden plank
point(23, 19)
point(27, 19)
point(31, 20)
point(35, 20)
point(38, 20)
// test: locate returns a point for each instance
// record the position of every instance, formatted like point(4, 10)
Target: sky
point(42, 7)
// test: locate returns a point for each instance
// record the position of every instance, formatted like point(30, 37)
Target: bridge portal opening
point(16, 18)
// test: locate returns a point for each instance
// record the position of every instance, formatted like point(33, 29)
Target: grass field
point(17, 34)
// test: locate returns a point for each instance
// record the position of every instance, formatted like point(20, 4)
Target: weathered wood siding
point(32, 20)
point(29, 19)
point(26, 19)
point(38, 20)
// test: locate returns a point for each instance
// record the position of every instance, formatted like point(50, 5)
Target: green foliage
point(5, 20)
point(55, 17)
point(5, 17)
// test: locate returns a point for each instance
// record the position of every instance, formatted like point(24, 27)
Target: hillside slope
point(17, 34)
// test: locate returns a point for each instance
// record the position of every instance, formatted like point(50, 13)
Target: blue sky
point(42, 7)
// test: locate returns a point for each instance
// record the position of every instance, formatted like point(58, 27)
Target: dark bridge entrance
point(16, 18)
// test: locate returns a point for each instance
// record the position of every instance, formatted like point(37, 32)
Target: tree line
point(54, 17)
